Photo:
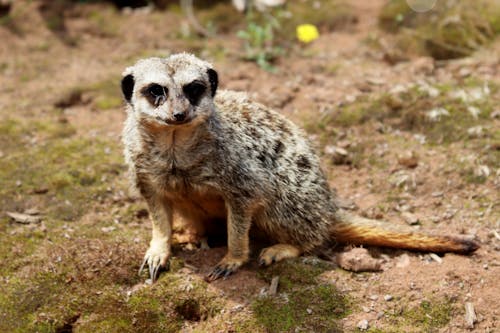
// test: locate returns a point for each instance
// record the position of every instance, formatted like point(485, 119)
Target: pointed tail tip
point(468, 245)
point(472, 245)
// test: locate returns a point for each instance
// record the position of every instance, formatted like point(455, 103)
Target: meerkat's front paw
point(224, 268)
point(157, 257)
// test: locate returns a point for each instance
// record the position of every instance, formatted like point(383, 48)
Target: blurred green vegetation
point(452, 29)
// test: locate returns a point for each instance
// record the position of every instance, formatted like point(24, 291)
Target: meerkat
point(206, 155)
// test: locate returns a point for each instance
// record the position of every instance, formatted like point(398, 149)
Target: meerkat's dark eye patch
point(193, 91)
point(155, 94)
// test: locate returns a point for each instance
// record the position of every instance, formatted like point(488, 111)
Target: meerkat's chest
point(176, 172)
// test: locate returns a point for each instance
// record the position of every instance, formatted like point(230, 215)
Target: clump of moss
point(302, 302)
point(294, 272)
point(428, 316)
point(315, 308)
point(72, 171)
point(412, 110)
point(452, 29)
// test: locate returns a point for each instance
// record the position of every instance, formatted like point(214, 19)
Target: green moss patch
point(44, 157)
point(302, 302)
point(428, 316)
point(443, 115)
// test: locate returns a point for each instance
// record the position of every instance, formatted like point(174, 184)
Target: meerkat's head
point(170, 91)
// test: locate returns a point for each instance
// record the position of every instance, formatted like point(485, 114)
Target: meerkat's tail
point(362, 231)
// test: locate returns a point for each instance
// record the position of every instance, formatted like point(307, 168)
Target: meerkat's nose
point(179, 116)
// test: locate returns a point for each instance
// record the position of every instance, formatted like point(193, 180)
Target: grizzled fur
point(226, 158)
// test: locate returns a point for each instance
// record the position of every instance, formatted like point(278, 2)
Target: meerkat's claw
point(142, 265)
point(157, 261)
point(223, 269)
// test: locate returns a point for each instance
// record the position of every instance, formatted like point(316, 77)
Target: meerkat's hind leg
point(277, 253)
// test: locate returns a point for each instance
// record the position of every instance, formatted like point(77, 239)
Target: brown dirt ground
point(41, 67)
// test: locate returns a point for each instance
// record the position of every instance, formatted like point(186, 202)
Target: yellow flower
point(306, 33)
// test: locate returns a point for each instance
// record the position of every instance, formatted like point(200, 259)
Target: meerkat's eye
point(194, 91)
point(156, 94)
point(156, 90)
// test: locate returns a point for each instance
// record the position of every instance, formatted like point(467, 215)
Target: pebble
point(402, 261)
point(339, 155)
point(363, 325)
point(410, 218)
point(108, 229)
point(470, 315)
point(309, 311)
point(373, 297)
point(237, 308)
point(273, 288)
point(388, 297)
point(409, 159)
point(436, 258)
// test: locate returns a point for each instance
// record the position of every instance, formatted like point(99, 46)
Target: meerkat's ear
point(213, 78)
point(128, 83)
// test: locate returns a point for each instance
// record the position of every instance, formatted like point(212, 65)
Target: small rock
point(476, 132)
point(436, 258)
point(474, 111)
point(237, 308)
point(494, 233)
point(346, 204)
point(465, 71)
point(388, 297)
point(363, 325)
point(423, 65)
point(470, 315)
point(273, 288)
point(449, 213)
point(376, 81)
point(24, 218)
point(366, 309)
point(482, 171)
point(403, 261)
point(436, 114)
point(108, 229)
point(435, 219)
point(32, 211)
point(339, 155)
point(410, 218)
point(373, 297)
point(358, 260)
point(309, 311)
point(408, 159)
